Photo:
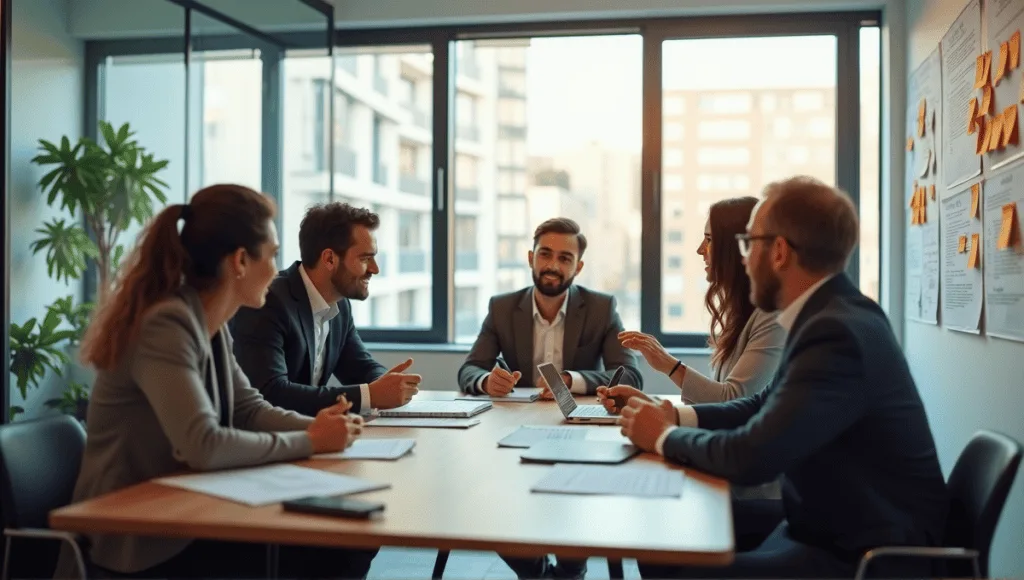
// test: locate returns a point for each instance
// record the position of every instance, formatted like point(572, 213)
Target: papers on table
point(372, 449)
point(440, 422)
point(271, 484)
point(455, 409)
point(520, 395)
point(611, 480)
point(528, 435)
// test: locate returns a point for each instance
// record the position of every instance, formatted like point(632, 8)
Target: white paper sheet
point(922, 241)
point(962, 288)
point(611, 480)
point(442, 422)
point(528, 435)
point(1003, 18)
point(520, 395)
point(372, 449)
point(271, 484)
point(1004, 270)
point(960, 48)
point(437, 409)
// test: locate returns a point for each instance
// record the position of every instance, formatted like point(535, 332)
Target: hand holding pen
point(501, 381)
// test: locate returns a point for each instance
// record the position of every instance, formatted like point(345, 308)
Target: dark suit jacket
point(275, 347)
point(592, 325)
point(842, 422)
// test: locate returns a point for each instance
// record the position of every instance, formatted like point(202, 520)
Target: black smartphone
point(341, 507)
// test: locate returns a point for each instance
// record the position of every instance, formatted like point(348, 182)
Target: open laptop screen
point(563, 396)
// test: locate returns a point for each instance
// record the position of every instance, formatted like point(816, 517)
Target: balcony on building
point(467, 193)
point(467, 260)
point(410, 183)
point(467, 133)
point(380, 174)
point(347, 64)
point(344, 160)
point(411, 261)
point(420, 118)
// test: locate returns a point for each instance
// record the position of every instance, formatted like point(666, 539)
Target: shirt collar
point(561, 310)
point(787, 318)
point(316, 301)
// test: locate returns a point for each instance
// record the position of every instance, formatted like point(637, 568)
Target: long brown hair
point(728, 296)
point(218, 221)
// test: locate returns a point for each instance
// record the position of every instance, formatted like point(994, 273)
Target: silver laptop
point(563, 396)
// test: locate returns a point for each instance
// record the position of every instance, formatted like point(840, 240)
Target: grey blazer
point(159, 412)
point(590, 344)
point(748, 369)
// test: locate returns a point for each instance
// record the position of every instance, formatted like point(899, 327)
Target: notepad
point(520, 395)
point(269, 484)
point(638, 481)
point(387, 449)
point(429, 422)
point(529, 435)
point(449, 409)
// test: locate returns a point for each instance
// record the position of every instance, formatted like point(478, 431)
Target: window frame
point(845, 26)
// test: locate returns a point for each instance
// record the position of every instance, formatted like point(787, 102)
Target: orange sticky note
point(962, 245)
point(1007, 227)
point(975, 198)
point(1014, 50)
point(910, 143)
point(924, 211)
point(995, 133)
point(1010, 132)
point(1004, 62)
point(981, 136)
point(971, 114)
point(973, 261)
point(920, 127)
point(987, 101)
point(931, 192)
point(981, 70)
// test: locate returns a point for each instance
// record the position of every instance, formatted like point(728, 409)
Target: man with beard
point(842, 421)
point(553, 321)
point(304, 333)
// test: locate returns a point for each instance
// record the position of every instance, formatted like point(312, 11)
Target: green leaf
point(66, 247)
point(15, 411)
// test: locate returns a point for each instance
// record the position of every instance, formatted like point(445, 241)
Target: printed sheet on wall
point(924, 110)
point(962, 258)
point(999, 80)
point(961, 47)
point(1004, 268)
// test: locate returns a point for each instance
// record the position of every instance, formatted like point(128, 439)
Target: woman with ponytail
point(169, 395)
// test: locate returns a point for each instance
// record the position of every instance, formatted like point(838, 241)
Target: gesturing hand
point(616, 398)
point(649, 347)
point(333, 429)
point(643, 422)
point(395, 388)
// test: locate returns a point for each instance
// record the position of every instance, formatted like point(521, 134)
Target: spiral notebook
point(450, 409)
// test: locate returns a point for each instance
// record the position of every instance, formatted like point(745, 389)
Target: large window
point(464, 146)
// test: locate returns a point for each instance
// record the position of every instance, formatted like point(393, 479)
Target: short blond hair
point(820, 221)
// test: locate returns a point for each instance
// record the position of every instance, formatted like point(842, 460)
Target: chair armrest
point(917, 552)
point(44, 534)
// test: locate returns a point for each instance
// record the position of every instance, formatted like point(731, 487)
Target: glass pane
point(534, 140)
point(727, 134)
point(382, 160)
point(870, 100)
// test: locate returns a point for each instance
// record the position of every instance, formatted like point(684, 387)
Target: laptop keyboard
point(590, 411)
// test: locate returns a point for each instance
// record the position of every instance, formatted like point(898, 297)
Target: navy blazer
point(844, 425)
point(275, 347)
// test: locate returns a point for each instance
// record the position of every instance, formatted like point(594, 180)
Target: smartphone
point(620, 401)
point(341, 507)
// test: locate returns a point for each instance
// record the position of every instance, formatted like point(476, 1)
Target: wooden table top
point(456, 490)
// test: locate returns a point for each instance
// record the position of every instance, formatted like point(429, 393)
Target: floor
point(416, 564)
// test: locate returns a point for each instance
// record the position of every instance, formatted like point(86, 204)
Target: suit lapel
point(573, 327)
point(301, 296)
point(522, 330)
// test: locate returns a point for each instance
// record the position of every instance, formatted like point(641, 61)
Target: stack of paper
point(372, 449)
point(440, 422)
point(454, 409)
point(271, 484)
point(579, 479)
point(520, 395)
point(529, 435)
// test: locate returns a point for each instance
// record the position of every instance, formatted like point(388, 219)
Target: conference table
point(456, 490)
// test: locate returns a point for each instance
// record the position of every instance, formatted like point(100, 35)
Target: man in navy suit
point(842, 422)
point(304, 333)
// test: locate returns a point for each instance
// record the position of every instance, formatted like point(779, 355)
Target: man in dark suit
point(304, 333)
point(842, 422)
point(553, 321)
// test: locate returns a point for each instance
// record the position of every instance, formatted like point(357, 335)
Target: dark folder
point(579, 451)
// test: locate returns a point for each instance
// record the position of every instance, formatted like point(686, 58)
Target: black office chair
point(978, 486)
point(39, 462)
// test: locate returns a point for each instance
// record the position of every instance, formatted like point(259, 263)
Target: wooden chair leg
point(614, 569)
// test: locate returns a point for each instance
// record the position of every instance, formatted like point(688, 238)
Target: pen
point(501, 363)
point(616, 377)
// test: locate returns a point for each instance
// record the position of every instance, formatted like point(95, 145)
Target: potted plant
point(103, 189)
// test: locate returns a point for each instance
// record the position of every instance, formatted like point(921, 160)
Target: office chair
point(978, 486)
point(39, 462)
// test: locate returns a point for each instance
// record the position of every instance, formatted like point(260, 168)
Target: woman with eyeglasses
point(746, 342)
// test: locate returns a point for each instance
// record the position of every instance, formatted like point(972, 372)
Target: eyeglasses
point(745, 240)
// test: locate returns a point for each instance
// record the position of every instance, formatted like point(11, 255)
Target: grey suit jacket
point(592, 325)
point(748, 369)
point(159, 412)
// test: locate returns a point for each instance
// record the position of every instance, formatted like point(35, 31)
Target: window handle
point(656, 190)
point(440, 188)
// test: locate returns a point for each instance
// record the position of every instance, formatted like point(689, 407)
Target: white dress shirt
point(786, 319)
point(323, 313)
point(548, 343)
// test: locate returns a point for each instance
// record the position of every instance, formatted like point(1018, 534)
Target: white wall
point(46, 102)
point(967, 382)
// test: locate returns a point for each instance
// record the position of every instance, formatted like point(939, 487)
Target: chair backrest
point(39, 462)
point(978, 486)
